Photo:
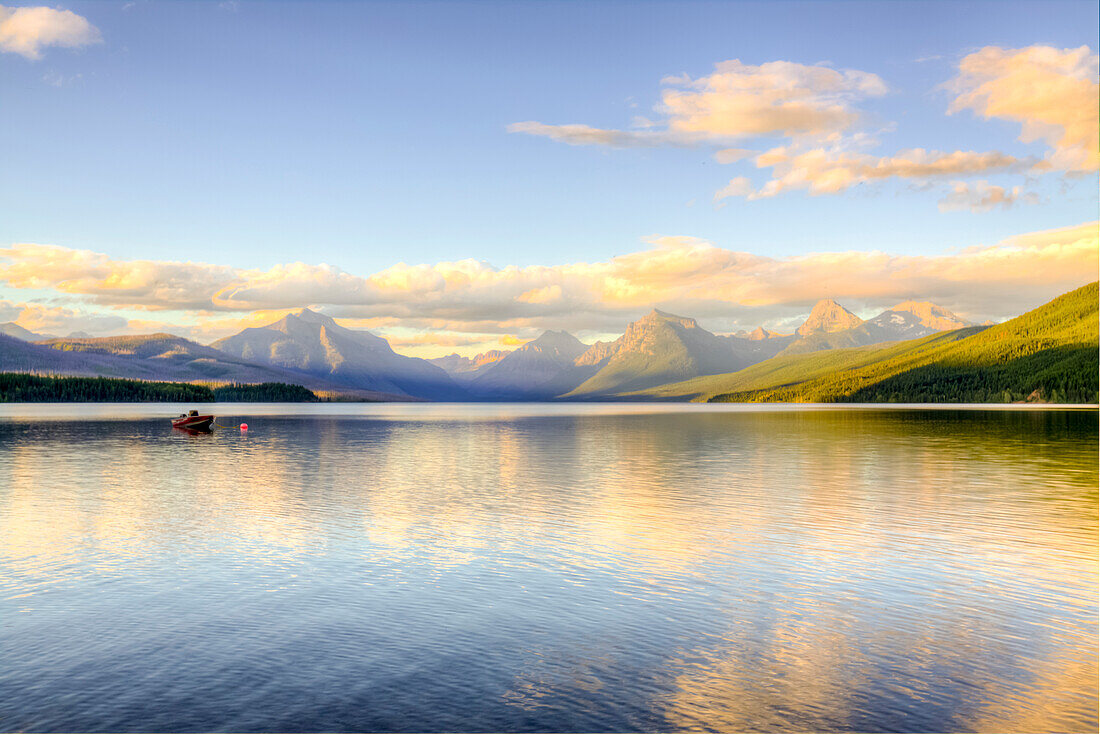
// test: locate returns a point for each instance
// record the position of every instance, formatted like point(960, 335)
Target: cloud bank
point(724, 287)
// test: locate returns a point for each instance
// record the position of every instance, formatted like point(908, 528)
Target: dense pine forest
point(264, 392)
point(24, 388)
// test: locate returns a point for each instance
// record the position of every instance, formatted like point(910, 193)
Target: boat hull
point(194, 422)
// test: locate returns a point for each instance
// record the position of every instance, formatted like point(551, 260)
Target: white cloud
point(26, 31)
point(58, 320)
point(981, 196)
point(737, 101)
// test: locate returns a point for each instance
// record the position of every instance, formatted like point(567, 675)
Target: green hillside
point(1052, 350)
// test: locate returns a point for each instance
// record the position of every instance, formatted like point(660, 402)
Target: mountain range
point(155, 357)
point(1048, 354)
point(659, 356)
point(661, 348)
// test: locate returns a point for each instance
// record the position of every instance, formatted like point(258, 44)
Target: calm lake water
point(548, 568)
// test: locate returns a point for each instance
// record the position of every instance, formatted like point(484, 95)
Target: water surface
point(548, 568)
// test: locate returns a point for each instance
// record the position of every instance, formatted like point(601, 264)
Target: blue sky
point(363, 134)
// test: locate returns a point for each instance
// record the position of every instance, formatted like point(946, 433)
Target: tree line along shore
point(28, 388)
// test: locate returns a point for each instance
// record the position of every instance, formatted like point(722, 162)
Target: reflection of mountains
point(772, 570)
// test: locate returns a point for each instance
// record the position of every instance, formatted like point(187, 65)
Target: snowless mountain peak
point(828, 316)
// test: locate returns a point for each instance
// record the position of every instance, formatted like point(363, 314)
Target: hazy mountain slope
point(15, 330)
point(464, 370)
point(152, 357)
point(538, 370)
point(828, 316)
point(17, 355)
point(142, 346)
point(455, 363)
point(656, 349)
point(314, 344)
point(1050, 352)
point(760, 333)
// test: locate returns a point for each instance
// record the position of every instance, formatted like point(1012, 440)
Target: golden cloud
point(737, 101)
point(821, 171)
point(26, 31)
point(147, 284)
point(1052, 92)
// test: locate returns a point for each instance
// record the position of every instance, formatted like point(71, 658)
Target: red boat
point(192, 421)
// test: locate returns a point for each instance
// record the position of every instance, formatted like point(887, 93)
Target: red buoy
point(244, 426)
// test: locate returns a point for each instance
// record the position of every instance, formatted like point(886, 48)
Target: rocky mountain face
point(828, 316)
point(314, 344)
point(909, 320)
point(540, 369)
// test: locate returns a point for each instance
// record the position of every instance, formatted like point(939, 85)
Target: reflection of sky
point(729, 570)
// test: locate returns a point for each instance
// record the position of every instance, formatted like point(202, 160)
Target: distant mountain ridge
point(455, 364)
point(13, 329)
point(539, 370)
point(312, 343)
point(158, 357)
point(662, 347)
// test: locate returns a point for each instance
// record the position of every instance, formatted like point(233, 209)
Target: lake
point(401, 567)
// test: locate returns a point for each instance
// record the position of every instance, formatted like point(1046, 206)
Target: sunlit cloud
point(813, 111)
point(28, 30)
point(58, 320)
point(737, 101)
point(1051, 92)
point(725, 288)
point(820, 171)
point(147, 284)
